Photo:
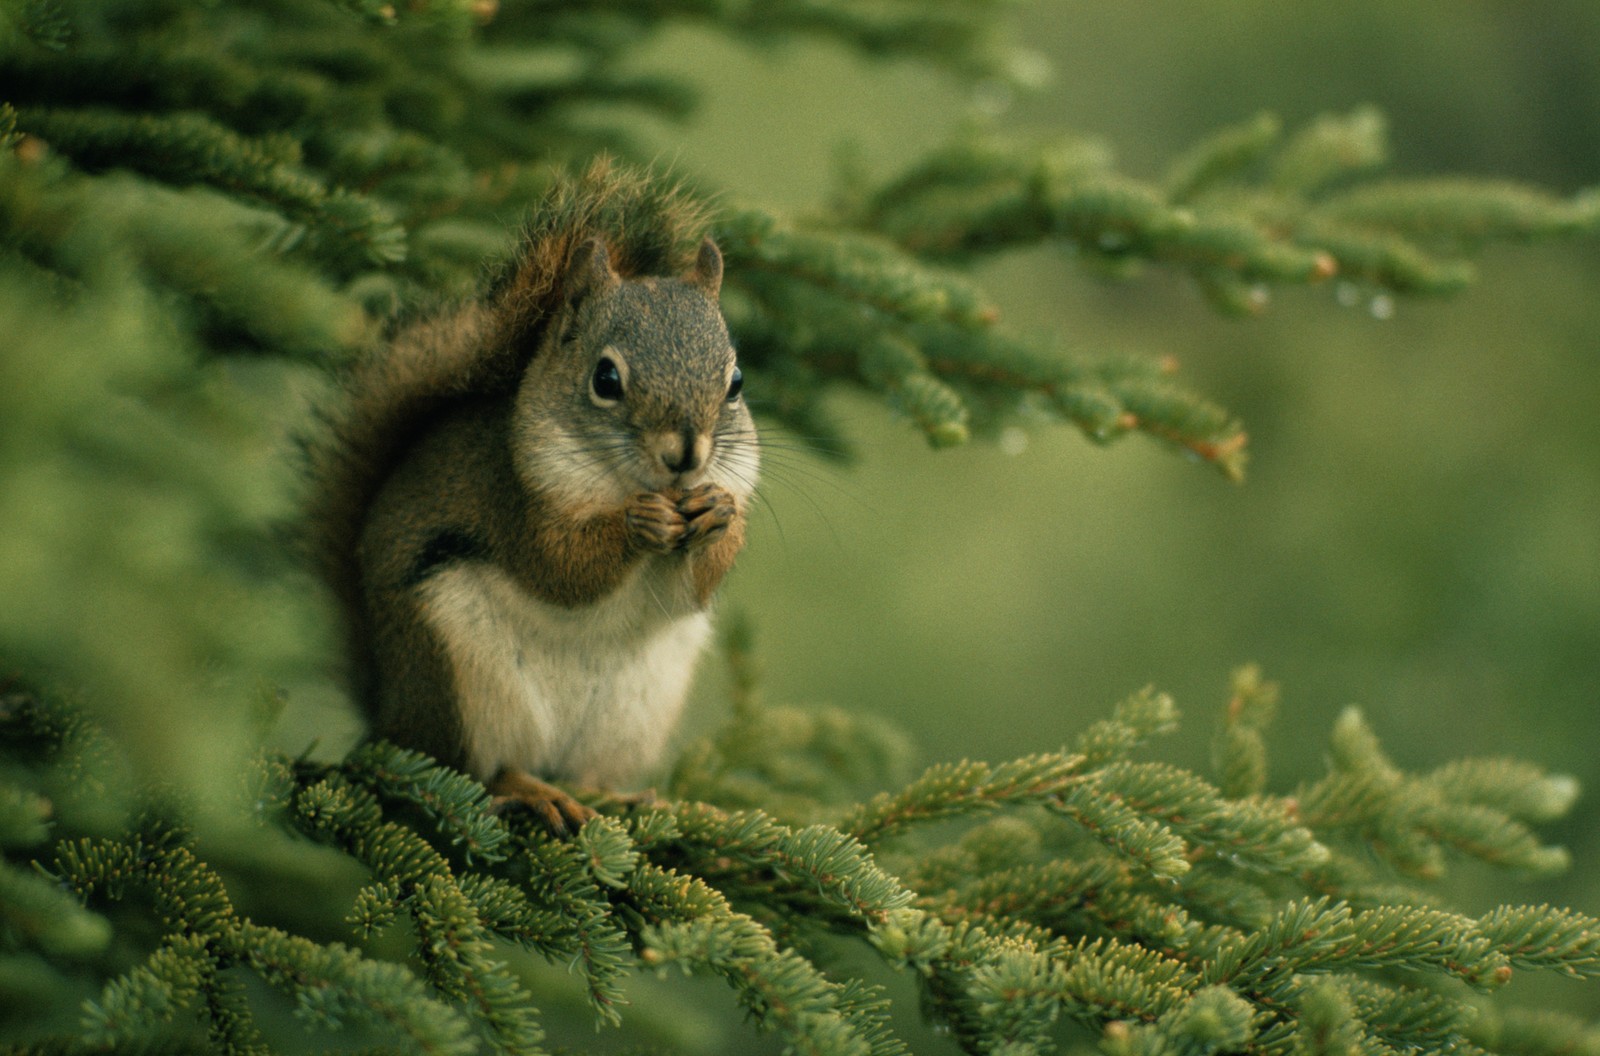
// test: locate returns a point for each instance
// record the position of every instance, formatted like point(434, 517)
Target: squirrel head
point(635, 387)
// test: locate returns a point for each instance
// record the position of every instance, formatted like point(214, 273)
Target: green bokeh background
point(1420, 530)
point(1419, 533)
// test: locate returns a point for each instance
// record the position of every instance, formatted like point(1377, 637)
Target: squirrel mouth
point(676, 482)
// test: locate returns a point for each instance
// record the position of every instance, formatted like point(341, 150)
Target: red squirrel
point(526, 503)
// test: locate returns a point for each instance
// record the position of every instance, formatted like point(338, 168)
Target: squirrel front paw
point(707, 510)
point(654, 523)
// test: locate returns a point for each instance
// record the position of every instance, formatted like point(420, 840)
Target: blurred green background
point(1419, 533)
point(1420, 530)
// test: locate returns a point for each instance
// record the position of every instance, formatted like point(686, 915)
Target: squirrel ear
point(590, 270)
point(707, 269)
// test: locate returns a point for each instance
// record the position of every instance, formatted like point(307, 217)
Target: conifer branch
point(1462, 212)
point(798, 765)
point(1390, 937)
point(185, 148)
point(331, 984)
point(334, 985)
point(91, 233)
point(1544, 937)
point(1406, 1017)
point(1252, 831)
point(1234, 235)
point(948, 790)
point(1133, 723)
point(1008, 931)
point(281, 178)
point(39, 914)
point(750, 849)
point(1221, 157)
point(456, 951)
point(1412, 819)
point(585, 931)
point(688, 923)
point(457, 804)
point(1239, 751)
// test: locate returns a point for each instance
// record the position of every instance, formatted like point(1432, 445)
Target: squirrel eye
point(735, 384)
point(607, 381)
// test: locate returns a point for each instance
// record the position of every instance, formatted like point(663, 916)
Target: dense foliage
point(205, 207)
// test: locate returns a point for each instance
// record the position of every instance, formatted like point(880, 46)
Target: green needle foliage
point(206, 207)
point(1078, 893)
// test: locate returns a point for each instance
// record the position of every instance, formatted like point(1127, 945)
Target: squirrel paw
point(654, 522)
point(553, 808)
point(628, 801)
point(707, 510)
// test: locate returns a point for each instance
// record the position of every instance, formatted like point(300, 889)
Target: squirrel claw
point(631, 800)
point(560, 814)
point(707, 511)
point(654, 523)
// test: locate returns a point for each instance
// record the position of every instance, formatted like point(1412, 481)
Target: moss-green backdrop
point(1420, 531)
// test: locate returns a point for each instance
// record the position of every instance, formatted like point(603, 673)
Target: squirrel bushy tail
point(478, 348)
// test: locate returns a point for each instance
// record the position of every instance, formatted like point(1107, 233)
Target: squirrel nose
point(683, 451)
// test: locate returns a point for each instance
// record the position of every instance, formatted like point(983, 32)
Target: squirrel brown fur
point(525, 503)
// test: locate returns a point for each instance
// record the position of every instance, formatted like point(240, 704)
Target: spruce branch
point(1545, 937)
point(687, 923)
point(1124, 829)
point(34, 912)
point(948, 790)
point(1242, 211)
point(563, 890)
point(332, 985)
point(1409, 1017)
point(1105, 399)
point(1253, 832)
point(798, 765)
point(1221, 157)
point(455, 948)
point(1238, 751)
point(1009, 931)
point(1336, 937)
point(860, 310)
point(1329, 148)
point(1133, 723)
point(1461, 212)
point(1105, 980)
point(1214, 1020)
point(1024, 983)
point(278, 177)
point(1519, 789)
point(986, 847)
point(454, 802)
point(955, 34)
point(1009, 198)
point(1098, 896)
point(42, 23)
point(817, 861)
point(1412, 820)
point(1328, 1025)
point(187, 148)
point(96, 234)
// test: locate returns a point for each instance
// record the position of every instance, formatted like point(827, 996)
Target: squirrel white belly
point(526, 503)
point(586, 695)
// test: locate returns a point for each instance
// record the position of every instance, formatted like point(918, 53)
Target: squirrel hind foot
point(552, 807)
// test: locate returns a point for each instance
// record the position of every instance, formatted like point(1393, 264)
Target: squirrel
point(525, 503)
